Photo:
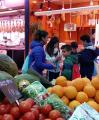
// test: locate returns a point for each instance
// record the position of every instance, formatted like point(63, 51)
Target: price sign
point(10, 90)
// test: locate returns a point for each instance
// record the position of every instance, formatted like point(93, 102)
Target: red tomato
point(30, 100)
point(8, 117)
point(25, 106)
point(46, 109)
point(47, 119)
point(15, 112)
point(54, 114)
point(4, 109)
point(35, 111)
point(60, 119)
point(1, 117)
point(29, 116)
point(42, 117)
point(37, 107)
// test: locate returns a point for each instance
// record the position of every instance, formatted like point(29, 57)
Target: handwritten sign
point(10, 90)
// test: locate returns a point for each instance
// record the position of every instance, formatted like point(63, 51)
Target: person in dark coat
point(37, 55)
point(87, 57)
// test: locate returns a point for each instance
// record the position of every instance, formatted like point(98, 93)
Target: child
point(69, 61)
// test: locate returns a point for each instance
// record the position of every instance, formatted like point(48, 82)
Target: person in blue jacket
point(37, 55)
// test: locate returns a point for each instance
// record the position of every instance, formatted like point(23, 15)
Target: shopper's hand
point(58, 58)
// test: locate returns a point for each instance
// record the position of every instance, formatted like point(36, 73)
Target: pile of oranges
point(75, 92)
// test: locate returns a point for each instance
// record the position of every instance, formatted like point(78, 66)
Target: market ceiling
point(65, 1)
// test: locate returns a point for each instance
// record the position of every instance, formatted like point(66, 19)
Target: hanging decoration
point(63, 14)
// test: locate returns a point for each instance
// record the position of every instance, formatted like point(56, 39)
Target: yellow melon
point(61, 80)
point(78, 84)
point(70, 92)
point(95, 82)
point(94, 105)
point(65, 100)
point(73, 104)
point(97, 96)
point(86, 81)
point(58, 90)
point(49, 90)
point(82, 97)
point(89, 90)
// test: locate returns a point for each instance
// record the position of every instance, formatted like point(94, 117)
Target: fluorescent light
point(60, 11)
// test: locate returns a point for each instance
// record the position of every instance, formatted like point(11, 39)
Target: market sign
point(69, 27)
point(10, 90)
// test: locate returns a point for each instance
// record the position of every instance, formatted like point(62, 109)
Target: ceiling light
point(34, 1)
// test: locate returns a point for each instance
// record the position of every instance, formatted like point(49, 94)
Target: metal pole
point(26, 27)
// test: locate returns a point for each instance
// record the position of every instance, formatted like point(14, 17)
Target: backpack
point(25, 65)
point(75, 71)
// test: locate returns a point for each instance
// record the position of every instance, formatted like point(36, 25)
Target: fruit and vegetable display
point(28, 110)
point(42, 100)
point(80, 90)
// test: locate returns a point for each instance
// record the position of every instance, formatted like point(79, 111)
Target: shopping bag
point(25, 65)
point(75, 71)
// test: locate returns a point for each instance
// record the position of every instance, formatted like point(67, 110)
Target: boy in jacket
point(69, 61)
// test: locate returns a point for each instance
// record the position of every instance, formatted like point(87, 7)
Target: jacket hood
point(35, 44)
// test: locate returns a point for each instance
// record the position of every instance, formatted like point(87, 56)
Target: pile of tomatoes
point(28, 110)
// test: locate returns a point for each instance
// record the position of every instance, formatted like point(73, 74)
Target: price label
point(10, 90)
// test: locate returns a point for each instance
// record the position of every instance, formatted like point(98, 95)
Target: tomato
point(15, 112)
point(7, 117)
point(60, 119)
point(29, 116)
point(30, 100)
point(37, 107)
point(54, 114)
point(46, 109)
point(35, 111)
point(25, 106)
point(4, 109)
point(1, 117)
point(42, 117)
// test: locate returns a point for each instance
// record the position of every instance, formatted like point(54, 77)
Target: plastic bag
point(85, 112)
point(25, 65)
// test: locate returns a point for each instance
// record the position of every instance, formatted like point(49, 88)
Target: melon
point(25, 76)
point(8, 65)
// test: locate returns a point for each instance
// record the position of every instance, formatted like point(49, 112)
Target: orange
point(86, 81)
point(61, 80)
point(70, 92)
point(95, 82)
point(73, 104)
point(58, 90)
point(65, 100)
point(78, 84)
point(82, 97)
point(49, 90)
point(94, 105)
point(89, 90)
point(97, 96)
